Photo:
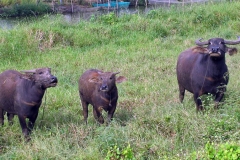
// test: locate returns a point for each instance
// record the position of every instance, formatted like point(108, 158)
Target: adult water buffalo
point(202, 69)
point(21, 94)
point(99, 89)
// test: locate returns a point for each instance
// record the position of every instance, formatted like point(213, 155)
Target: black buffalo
point(21, 94)
point(99, 89)
point(202, 69)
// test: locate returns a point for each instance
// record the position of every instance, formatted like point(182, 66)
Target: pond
point(79, 16)
point(7, 23)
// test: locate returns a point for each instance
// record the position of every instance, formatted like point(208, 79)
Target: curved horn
point(199, 43)
point(116, 73)
point(232, 42)
point(29, 71)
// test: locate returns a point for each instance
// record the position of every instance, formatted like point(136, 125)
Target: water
point(79, 16)
point(7, 23)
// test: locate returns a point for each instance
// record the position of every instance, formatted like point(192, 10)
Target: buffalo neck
point(32, 90)
point(216, 66)
point(109, 93)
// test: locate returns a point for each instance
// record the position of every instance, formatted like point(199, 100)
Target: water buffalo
point(21, 94)
point(202, 69)
point(99, 89)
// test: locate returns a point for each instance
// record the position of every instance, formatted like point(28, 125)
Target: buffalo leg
point(181, 93)
point(10, 117)
point(1, 116)
point(111, 112)
point(98, 115)
point(218, 98)
point(32, 120)
point(198, 102)
point(23, 124)
point(84, 106)
point(85, 110)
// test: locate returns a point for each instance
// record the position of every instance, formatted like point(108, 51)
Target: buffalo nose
point(104, 87)
point(54, 79)
point(215, 49)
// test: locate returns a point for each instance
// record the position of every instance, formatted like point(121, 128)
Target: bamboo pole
point(136, 3)
point(72, 5)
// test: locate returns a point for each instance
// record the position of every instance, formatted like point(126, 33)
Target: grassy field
point(150, 122)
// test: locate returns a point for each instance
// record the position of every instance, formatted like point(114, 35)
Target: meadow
point(149, 122)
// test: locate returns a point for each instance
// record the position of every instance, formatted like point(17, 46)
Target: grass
point(149, 116)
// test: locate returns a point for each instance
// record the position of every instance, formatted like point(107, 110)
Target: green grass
point(149, 116)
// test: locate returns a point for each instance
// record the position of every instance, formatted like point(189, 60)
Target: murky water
point(77, 17)
point(80, 16)
point(7, 23)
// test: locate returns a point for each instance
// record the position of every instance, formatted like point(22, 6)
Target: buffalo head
point(216, 47)
point(42, 77)
point(106, 80)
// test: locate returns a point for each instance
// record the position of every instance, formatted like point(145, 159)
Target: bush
point(25, 10)
point(120, 154)
point(225, 151)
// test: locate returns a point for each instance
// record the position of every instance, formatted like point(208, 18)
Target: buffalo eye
point(40, 73)
point(210, 43)
point(221, 42)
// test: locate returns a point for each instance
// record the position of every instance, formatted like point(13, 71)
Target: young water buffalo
point(21, 94)
point(99, 89)
point(202, 70)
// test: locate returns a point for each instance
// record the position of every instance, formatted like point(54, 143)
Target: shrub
point(25, 10)
point(120, 154)
point(226, 151)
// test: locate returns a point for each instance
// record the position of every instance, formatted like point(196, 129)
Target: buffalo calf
point(202, 69)
point(99, 89)
point(21, 94)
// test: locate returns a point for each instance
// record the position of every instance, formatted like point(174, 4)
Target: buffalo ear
point(93, 80)
point(232, 51)
point(27, 76)
point(120, 79)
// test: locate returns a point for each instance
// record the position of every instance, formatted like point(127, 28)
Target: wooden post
point(72, 5)
point(38, 1)
point(136, 3)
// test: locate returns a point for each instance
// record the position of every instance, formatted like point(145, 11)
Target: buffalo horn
point(232, 42)
point(29, 71)
point(199, 43)
point(116, 73)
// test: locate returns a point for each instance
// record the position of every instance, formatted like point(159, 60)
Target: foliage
point(109, 19)
point(4, 3)
point(116, 153)
point(226, 151)
point(25, 9)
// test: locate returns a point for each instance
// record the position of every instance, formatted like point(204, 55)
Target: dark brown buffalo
point(202, 69)
point(99, 89)
point(21, 94)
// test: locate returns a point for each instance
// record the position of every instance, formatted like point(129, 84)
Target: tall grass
point(12, 2)
point(149, 116)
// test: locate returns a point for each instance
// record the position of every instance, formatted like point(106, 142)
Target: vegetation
point(150, 122)
point(25, 9)
point(13, 2)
